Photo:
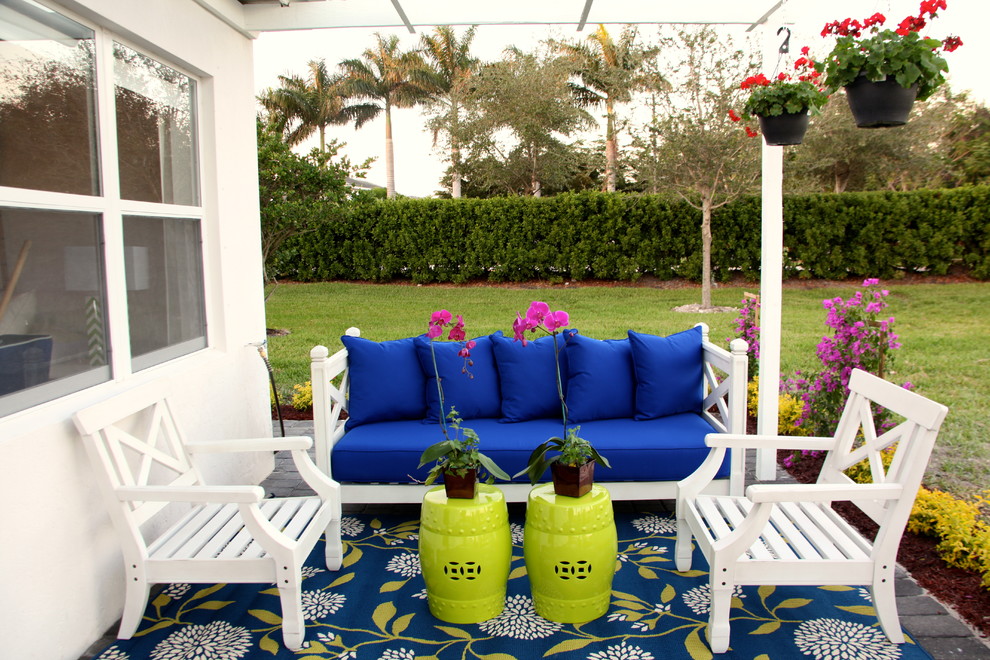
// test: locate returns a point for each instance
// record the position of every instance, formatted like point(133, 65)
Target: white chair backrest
point(857, 439)
point(132, 440)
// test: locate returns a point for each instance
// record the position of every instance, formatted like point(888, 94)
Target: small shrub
point(302, 396)
point(789, 409)
point(964, 536)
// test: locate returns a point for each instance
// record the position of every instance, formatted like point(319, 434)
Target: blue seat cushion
point(669, 373)
point(528, 376)
point(666, 449)
point(386, 381)
point(600, 380)
point(475, 395)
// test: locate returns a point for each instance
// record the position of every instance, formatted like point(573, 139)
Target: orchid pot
point(573, 480)
point(461, 486)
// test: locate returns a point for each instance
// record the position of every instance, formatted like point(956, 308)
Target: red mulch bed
point(955, 587)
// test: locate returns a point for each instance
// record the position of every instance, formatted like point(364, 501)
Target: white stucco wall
point(60, 568)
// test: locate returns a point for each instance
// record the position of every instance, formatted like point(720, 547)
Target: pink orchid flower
point(556, 320)
point(457, 331)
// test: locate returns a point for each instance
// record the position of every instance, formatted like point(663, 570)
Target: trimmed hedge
point(624, 237)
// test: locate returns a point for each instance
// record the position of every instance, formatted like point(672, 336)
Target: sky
point(419, 166)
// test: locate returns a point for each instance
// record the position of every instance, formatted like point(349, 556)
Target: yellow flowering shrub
point(302, 396)
point(964, 536)
point(789, 409)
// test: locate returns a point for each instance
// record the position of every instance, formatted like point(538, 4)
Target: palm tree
point(303, 106)
point(446, 80)
point(610, 71)
point(384, 76)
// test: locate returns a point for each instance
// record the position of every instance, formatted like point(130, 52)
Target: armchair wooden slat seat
point(788, 534)
point(229, 534)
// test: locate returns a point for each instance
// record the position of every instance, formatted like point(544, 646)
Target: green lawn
point(942, 327)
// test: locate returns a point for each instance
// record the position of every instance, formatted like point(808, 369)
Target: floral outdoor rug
point(375, 608)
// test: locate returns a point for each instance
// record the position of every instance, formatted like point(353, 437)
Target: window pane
point(156, 130)
point(163, 257)
point(53, 337)
point(48, 138)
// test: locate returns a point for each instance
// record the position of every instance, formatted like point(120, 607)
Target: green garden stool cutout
point(570, 549)
point(465, 549)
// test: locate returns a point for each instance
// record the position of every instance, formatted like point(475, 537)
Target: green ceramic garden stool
point(570, 548)
point(465, 549)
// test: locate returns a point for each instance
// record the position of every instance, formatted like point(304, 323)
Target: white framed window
point(101, 270)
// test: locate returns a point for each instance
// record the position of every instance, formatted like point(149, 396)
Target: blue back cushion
point(474, 397)
point(668, 373)
point(387, 382)
point(600, 382)
point(528, 376)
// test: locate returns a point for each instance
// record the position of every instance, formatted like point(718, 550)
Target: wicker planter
point(461, 488)
point(880, 104)
point(788, 128)
point(573, 481)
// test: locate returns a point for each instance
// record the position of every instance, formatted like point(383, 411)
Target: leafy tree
point(609, 71)
point(447, 79)
point(385, 76)
point(968, 145)
point(301, 106)
point(691, 146)
point(296, 192)
point(521, 108)
point(836, 156)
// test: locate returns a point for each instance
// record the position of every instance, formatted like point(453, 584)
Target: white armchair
point(230, 533)
point(787, 534)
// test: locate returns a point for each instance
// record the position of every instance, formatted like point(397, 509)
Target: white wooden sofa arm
point(739, 441)
point(238, 494)
point(769, 493)
point(250, 444)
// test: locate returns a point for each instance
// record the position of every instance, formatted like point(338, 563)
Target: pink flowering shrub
point(747, 328)
point(862, 338)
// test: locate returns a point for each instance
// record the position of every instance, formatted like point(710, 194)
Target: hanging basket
point(461, 487)
point(788, 128)
point(880, 104)
point(573, 481)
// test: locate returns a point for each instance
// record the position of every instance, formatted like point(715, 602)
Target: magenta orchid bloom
point(556, 320)
point(457, 331)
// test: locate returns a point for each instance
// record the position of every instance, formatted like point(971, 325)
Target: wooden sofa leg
point(334, 546)
point(682, 548)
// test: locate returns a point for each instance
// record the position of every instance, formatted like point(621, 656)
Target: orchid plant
point(458, 451)
point(572, 449)
point(902, 54)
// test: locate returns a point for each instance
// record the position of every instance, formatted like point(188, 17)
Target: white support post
point(771, 276)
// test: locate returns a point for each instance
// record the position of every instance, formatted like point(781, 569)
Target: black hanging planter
point(788, 128)
point(880, 104)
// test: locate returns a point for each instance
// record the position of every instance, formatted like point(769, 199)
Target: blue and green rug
point(375, 608)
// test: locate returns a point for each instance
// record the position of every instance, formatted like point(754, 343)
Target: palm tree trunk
point(323, 139)
point(611, 147)
point(706, 251)
point(455, 171)
point(389, 156)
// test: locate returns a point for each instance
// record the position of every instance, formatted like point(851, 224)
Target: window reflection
point(165, 307)
point(52, 303)
point(48, 138)
point(156, 137)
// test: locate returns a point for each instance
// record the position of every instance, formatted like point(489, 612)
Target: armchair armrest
point(739, 441)
point(222, 494)
point(759, 493)
point(250, 444)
